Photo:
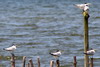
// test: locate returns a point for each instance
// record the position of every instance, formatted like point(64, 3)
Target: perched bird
point(12, 48)
point(90, 52)
point(56, 54)
point(84, 7)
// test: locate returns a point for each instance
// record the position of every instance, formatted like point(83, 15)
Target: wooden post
point(0, 58)
point(57, 63)
point(24, 60)
point(91, 62)
point(31, 63)
point(86, 40)
point(12, 60)
point(75, 62)
point(51, 63)
point(38, 60)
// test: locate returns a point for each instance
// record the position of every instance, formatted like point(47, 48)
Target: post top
point(86, 14)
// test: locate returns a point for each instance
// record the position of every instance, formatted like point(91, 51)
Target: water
point(42, 26)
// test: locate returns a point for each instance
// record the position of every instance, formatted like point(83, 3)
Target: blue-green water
point(42, 26)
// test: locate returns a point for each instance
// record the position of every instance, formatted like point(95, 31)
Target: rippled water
point(42, 26)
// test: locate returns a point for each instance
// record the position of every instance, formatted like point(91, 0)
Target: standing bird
point(84, 7)
point(11, 49)
point(90, 52)
point(56, 54)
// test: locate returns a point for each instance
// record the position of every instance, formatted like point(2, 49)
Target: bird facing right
point(56, 54)
point(12, 48)
point(90, 52)
point(84, 7)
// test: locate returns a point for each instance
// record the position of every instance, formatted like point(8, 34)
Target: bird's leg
point(12, 54)
point(92, 56)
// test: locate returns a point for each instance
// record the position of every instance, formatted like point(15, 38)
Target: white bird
point(90, 52)
point(56, 54)
point(12, 48)
point(84, 7)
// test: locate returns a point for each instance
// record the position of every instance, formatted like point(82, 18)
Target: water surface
point(42, 26)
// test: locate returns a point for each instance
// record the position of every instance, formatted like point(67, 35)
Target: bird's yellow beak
point(95, 49)
point(62, 50)
point(89, 3)
point(17, 45)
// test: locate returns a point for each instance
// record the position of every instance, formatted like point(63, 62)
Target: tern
point(84, 7)
point(90, 52)
point(10, 49)
point(56, 54)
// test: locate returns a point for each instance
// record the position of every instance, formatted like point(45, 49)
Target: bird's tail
point(50, 53)
point(85, 53)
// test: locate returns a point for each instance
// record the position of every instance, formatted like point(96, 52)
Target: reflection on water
point(41, 26)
